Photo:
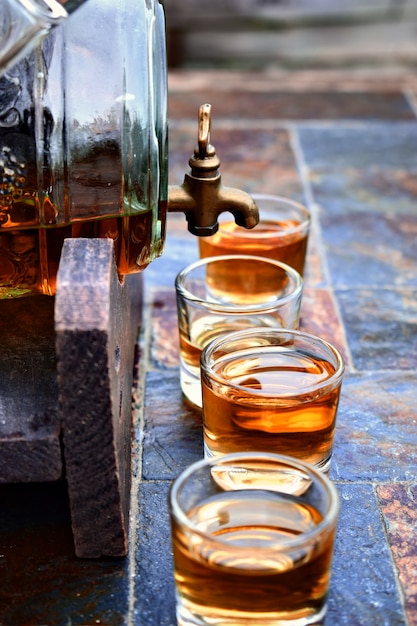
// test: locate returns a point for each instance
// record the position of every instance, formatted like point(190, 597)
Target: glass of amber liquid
point(253, 537)
point(263, 292)
point(281, 234)
point(275, 390)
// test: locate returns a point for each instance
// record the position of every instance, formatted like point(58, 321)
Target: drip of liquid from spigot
point(202, 197)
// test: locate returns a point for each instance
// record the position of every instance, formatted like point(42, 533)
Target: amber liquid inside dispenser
point(30, 254)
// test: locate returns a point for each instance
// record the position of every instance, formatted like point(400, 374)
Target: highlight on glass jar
point(262, 292)
point(281, 234)
point(273, 390)
point(259, 530)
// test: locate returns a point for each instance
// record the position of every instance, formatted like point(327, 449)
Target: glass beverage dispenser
point(83, 139)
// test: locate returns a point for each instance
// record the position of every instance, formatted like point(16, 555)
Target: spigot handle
point(205, 149)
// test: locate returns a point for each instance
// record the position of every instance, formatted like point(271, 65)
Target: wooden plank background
point(292, 34)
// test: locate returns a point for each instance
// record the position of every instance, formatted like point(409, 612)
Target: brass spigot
point(202, 197)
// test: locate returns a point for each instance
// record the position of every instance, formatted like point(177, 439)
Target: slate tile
point(363, 589)
point(154, 595)
point(363, 180)
point(398, 503)
point(173, 437)
point(376, 430)
point(354, 148)
point(371, 250)
point(381, 327)
point(164, 347)
point(350, 166)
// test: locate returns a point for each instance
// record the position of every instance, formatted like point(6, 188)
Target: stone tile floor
point(347, 147)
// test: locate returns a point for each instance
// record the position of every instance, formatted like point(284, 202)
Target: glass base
point(323, 466)
point(191, 387)
point(208, 454)
point(186, 618)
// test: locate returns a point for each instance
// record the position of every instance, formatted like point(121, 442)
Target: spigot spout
point(202, 196)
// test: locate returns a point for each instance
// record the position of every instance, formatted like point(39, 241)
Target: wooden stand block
point(66, 372)
point(96, 323)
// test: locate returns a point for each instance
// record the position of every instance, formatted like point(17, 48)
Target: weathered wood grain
point(96, 321)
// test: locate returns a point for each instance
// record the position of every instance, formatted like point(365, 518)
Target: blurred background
point(292, 34)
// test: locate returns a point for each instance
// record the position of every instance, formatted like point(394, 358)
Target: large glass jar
point(83, 143)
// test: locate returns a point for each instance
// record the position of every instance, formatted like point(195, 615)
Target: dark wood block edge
point(96, 323)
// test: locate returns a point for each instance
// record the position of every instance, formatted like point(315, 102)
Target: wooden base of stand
point(66, 396)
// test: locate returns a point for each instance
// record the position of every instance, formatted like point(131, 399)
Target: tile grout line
point(396, 573)
point(313, 207)
point(138, 426)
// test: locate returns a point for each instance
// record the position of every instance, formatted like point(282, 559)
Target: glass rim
point(328, 520)
point(218, 342)
point(47, 11)
point(220, 307)
point(244, 232)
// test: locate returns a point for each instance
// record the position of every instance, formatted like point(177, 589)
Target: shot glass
point(282, 233)
point(263, 293)
point(253, 538)
point(273, 390)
